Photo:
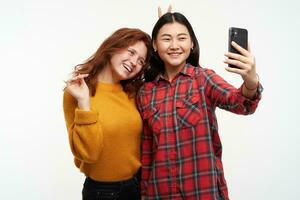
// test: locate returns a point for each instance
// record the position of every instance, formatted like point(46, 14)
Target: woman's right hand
point(77, 87)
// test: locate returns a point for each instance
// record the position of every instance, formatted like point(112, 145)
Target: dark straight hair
point(156, 64)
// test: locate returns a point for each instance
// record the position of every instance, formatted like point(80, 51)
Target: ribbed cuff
point(85, 117)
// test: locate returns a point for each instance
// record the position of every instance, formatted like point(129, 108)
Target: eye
point(182, 38)
point(166, 39)
point(131, 52)
point(141, 62)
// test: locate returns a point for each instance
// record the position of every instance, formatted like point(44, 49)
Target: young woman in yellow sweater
point(103, 123)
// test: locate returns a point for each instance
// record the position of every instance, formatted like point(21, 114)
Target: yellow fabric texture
point(105, 141)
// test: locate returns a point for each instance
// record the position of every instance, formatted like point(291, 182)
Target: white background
point(41, 42)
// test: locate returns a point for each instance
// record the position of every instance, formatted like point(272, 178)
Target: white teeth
point(174, 54)
point(127, 68)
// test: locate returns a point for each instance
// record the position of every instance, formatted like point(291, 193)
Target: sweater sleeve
point(84, 129)
point(226, 96)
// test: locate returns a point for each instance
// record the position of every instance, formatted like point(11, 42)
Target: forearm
point(85, 136)
point(225, 96)
point(84, 104)
point(84, 129)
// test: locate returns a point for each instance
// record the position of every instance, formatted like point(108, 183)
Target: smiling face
point(127, 63)
point(173, 44)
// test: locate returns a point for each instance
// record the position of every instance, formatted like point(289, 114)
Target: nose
point(134, 61)
point(174, 44)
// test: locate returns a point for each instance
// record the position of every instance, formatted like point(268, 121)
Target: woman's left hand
point(159, 12)
point(245, 64)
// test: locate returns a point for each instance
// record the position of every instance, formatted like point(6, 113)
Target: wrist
point(252, 86)
point(84, 105)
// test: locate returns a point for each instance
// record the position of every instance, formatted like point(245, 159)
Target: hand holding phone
point(241, 61)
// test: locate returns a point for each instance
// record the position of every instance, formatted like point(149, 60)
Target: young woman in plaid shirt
point(181, 147)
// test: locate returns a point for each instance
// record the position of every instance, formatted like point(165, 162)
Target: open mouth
point(128, 68)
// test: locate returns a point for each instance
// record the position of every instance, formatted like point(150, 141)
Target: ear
point(154, 45)
point(192, 46)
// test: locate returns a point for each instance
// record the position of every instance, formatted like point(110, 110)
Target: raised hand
point(159, 12)
point(245, 63)
point(77, 87)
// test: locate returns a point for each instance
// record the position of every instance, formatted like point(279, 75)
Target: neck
point(172, 71)
point(106, 76)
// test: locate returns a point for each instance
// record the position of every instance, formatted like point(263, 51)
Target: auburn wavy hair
point(119, 40)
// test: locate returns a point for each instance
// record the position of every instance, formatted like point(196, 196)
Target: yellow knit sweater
point(105, 141)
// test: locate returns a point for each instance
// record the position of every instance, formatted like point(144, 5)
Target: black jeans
point(122, 190)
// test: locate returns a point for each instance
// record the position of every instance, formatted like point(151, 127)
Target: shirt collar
point(188, 70)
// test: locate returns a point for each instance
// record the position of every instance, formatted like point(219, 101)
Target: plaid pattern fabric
point(181, 148)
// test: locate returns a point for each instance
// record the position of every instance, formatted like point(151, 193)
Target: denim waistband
point(93, 183)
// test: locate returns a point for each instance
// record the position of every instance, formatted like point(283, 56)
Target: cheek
point(188, 51)
point(138, 69)
point(162, 47)
point(162, 55)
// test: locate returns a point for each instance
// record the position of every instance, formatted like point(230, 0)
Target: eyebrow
point(132, 49)
point(169, 35)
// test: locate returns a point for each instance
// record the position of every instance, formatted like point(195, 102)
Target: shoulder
point(147, 87)
point(202, 74)
point(204, 71)
point(145, 93)
point(206, 76)
point(67, 96)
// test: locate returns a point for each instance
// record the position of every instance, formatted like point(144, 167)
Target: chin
point(175, 64)
point(126, 77)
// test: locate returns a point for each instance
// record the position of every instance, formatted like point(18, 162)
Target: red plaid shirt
point(181, 148)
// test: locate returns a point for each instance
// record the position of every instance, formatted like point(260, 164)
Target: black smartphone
point(240, 36)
